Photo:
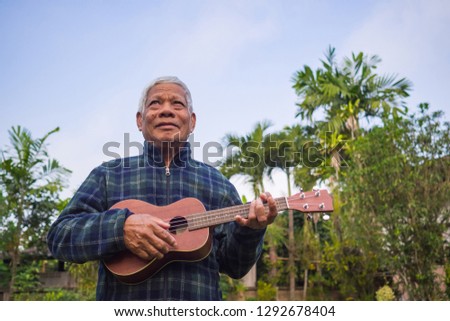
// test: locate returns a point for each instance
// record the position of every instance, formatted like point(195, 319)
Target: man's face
point(166, 116)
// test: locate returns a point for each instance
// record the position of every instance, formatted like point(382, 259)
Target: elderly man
point(92, 228)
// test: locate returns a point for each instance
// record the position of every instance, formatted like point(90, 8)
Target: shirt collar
point(154, 156)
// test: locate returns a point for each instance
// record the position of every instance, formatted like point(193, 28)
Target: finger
point(160, 238)
point(166, 236)
point(143, 248)
point(153, 250)
point(161, 223)
point(272, 206)
point(273, 211)
point(252, 213)
point(240, 220)
point(142, 254)
point(250, 217)
point(260, 212)
point(155, 246)
point(270, 201)
point(264, 196)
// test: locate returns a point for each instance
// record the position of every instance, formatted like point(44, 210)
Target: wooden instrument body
point(193, 245)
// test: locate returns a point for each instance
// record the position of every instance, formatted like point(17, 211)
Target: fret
point(225, 215)
point(304, 202)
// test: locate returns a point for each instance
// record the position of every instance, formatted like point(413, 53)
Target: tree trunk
point(291, 258)
point(15, 252)
point(305, 284)
point(273, 257)
point(291, 243)
point(15, 257)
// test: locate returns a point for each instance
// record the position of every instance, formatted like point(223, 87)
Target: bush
point(385, 293)
point(266, 291)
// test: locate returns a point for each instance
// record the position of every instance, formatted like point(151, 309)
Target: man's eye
point(153, 102)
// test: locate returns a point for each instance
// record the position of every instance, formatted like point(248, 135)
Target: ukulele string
point(205, 219)
point(199, 219)
point(220, 215)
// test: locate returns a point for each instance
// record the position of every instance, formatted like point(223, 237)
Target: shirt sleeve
point(239, 247)
point(86, 229)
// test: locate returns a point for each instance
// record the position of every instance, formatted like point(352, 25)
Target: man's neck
point(169, 150)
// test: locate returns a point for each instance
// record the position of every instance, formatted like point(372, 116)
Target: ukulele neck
point(225, 215)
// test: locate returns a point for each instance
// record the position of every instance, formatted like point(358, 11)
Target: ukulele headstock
point(317, 200)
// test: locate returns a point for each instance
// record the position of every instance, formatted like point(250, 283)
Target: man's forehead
point(167, 88)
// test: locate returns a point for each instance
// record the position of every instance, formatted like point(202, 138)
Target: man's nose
point(166, 110)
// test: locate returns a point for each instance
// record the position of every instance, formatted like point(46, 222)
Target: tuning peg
point(309, 217)
point(325, 217)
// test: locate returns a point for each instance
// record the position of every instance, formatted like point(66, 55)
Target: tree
point(348, 92)
point(285, 152)
point(334, 99)
point(29, 195)
point(397, 202)
point(248, 156)
point(248, 159)
point(344, 94)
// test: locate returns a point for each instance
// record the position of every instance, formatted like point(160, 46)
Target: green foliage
point(351, 270)
point(85, 276)
point(27, 279)
point(5, 275)
point(266, 291)
point(292, 150)
point(30, 183)
point(247, 157)
point(344, 94)
point(62, 295)
point(396, 199)
point(232, 289)
point(56, 294)
point(348, 91)
point(391, 182)
point(29, 288)
point(385, 293)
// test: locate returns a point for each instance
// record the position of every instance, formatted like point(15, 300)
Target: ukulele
point(191, 225)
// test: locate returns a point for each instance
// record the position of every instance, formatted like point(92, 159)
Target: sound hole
point(178, 224)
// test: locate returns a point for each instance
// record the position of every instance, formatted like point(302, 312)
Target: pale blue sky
point(82, 65)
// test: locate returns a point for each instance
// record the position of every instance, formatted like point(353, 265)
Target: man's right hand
point(147, 236)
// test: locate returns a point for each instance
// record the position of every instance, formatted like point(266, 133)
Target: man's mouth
point(166, 125)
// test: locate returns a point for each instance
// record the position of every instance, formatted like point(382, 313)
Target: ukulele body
point(192, 245)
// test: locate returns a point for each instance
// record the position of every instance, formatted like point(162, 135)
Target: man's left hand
point(258, 218)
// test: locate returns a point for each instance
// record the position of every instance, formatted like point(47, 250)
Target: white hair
point(166, 80)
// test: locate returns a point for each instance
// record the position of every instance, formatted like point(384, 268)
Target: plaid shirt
point(88, 229)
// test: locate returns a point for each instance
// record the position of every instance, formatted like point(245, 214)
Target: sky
point(82, 65)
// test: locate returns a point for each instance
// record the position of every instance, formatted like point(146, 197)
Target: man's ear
point(193, 122)
point(139, 120)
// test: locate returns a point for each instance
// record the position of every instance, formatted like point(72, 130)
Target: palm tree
point(248, 160)
point(286, 153)
point(344, 95)
point(350, 92)
point(30, 183)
